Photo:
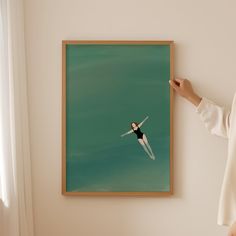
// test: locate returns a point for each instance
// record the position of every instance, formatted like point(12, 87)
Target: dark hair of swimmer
point(133, 125)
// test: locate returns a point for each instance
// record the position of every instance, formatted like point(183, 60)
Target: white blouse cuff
point(202, 105)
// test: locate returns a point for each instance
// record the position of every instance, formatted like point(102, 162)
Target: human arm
point(129, 132)
point(215, 118)
point(140, 124)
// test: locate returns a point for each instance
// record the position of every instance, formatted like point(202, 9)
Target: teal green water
point(108, 87)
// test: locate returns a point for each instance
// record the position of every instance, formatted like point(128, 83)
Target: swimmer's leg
point(145, 148)
point(149, 147)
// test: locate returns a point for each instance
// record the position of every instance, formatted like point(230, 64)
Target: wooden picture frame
point(75, 50)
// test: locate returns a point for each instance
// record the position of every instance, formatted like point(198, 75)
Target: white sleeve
point(215, 117)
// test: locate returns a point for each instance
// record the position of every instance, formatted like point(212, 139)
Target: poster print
point(117, 118)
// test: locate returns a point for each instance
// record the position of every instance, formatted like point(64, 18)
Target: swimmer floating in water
point(142, 138)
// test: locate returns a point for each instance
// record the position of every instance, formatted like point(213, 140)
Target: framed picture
point(117, 118)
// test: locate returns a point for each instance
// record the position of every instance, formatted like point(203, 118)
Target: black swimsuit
point(139, 133)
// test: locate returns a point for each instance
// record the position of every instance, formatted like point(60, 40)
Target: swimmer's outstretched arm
point(129, 132)
point(140, 124)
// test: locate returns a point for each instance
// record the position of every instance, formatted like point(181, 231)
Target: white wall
point(205, 36)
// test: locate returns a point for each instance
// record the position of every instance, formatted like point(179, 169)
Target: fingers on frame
point(180, 80)
point(174, 85)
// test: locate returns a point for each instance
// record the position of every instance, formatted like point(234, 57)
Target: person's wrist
point(194, 99)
